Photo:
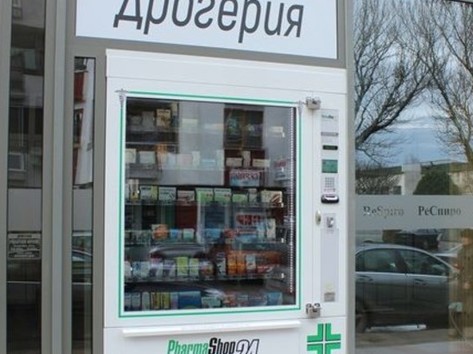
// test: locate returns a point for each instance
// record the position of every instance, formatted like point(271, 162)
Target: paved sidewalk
point(410, 340)
point(424, 348)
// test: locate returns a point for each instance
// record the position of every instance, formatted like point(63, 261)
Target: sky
point(418, 140)
point(420, 144)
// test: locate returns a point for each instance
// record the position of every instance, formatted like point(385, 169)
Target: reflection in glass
point(413, 119)
point(400, 285)
point(82, 236)
point(25, 168)
point(208, 206)
point(26, 96)
point(413, 83)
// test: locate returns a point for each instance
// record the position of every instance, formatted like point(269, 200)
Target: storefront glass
point(82, 212)
point(413, 120)
point(25, 178)
point(209, 200)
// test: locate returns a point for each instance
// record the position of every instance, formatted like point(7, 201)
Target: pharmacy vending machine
point(225, 206)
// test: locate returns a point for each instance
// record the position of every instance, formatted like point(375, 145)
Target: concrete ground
point(411, 340)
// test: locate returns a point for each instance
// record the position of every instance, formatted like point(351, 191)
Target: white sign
point(24, 246)
point(384, 212)
point(292, 27)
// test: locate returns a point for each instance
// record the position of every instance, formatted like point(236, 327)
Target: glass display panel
point(24, 230)
point(209, 205)
point(82, 236)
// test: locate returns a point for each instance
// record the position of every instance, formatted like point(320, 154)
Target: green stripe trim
point(200, 311)
point(220, 98)
point(299, 198)
point(121, 285)
point(159, 313)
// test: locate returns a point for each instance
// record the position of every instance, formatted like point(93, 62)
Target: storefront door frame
point(55, 324)
point(5, 29)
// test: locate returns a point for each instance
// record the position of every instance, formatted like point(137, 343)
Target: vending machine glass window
point(208, 206)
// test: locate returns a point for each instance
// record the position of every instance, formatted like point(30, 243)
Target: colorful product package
point(189, 300)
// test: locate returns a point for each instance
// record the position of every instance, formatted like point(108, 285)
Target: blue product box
point(189, 300)
point(212, 235)
point(274, 298)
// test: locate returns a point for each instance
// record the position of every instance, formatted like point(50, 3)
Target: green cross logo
point(324, 341)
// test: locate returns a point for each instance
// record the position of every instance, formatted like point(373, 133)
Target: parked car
point(449, 239)
point(450, 255)
point(426, 239)
point(400, 285)
point(172, 250)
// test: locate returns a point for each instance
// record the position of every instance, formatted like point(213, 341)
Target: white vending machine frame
point(317, 322)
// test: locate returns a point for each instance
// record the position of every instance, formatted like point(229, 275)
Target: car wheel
point(361, 318)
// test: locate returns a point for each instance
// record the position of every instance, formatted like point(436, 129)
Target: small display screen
point(330, 147)
point(329, 166)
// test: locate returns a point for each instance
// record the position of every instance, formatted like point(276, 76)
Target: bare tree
point(389, 75)
point(445, 31)
point(375, 179)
